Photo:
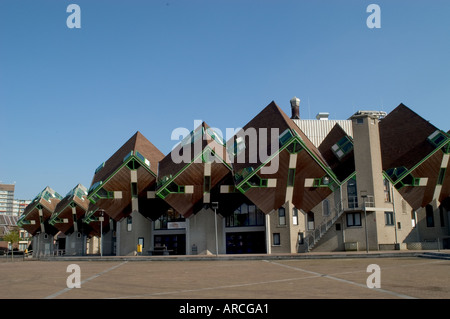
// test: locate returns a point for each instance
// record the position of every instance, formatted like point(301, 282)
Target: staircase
point(314, 236)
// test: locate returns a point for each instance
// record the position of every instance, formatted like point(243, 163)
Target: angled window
point(256, 181)
point(294, 147)
point(215, 136)
point(127, 156)
point(342, 147)
point(102, 193)
point(192, 137)
point(238, 146)
point(99, 167)
point(437, 138)
point(143, 159)
point(396, 172)
point(285, 137)
point(80, 193)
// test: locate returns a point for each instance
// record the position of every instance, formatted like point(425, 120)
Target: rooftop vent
point(322, 116)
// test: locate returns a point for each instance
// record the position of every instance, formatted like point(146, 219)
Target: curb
point(236, 257)
point(435, 255)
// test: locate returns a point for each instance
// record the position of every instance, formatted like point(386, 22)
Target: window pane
point(326, 207)
point(276, 239)
point(347, 147)
point(350, 220)
point(291, 177)
point(357, 219)
point(252, 216)
point(389, 218)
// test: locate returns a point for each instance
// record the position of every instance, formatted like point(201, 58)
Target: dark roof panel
point(403, 138)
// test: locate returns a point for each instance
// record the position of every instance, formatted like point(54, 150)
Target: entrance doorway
point(246, 243)
point(176, 244)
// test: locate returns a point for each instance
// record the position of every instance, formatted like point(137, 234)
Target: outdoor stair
point(314, 236)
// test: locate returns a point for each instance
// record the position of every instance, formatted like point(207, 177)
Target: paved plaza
point(228, 278)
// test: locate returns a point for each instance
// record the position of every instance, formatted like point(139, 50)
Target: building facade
point(282, 184)
point(7, 198)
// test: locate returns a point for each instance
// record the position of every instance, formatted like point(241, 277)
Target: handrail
point(314, 235)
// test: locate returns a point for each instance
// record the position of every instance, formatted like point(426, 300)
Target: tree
point(12, 237)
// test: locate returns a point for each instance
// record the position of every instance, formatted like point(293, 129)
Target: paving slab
point(241, 277)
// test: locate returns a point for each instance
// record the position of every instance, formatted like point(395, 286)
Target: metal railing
point(352, 202)
point(313, 236)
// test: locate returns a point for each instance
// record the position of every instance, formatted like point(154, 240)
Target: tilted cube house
point(282, 184)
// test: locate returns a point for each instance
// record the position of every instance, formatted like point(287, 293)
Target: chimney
point(295, 106)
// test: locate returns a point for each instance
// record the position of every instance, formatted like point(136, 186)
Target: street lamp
point(365, 222)
point(215, 206)
point(101, 218)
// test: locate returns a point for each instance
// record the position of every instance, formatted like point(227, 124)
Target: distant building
point(19, 206)
point(7, 199)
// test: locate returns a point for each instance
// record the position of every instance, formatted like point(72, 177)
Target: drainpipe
point(395, 219)
point(341, 208)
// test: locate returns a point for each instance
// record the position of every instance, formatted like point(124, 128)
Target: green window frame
point(192, 137)
point(142, 158)
point(254, 181)
point(441, 176)
point(238, 146)
point(171, 188)
point(94, 186)
point(216, 137)
point(80, 193)
point(295, 147)
point(342, 147)
point(104, 194)
point(437, 138)
point(242, 174)
point(396, 172)
point(98, 169)
point(446, 148)
point(127, 156)
point(285, 137)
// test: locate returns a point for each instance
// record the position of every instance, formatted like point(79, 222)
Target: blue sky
point(69, 98)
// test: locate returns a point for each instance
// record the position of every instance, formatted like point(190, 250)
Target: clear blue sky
point(69, 98)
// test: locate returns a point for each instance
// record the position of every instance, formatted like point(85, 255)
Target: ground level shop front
point(241, 232)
